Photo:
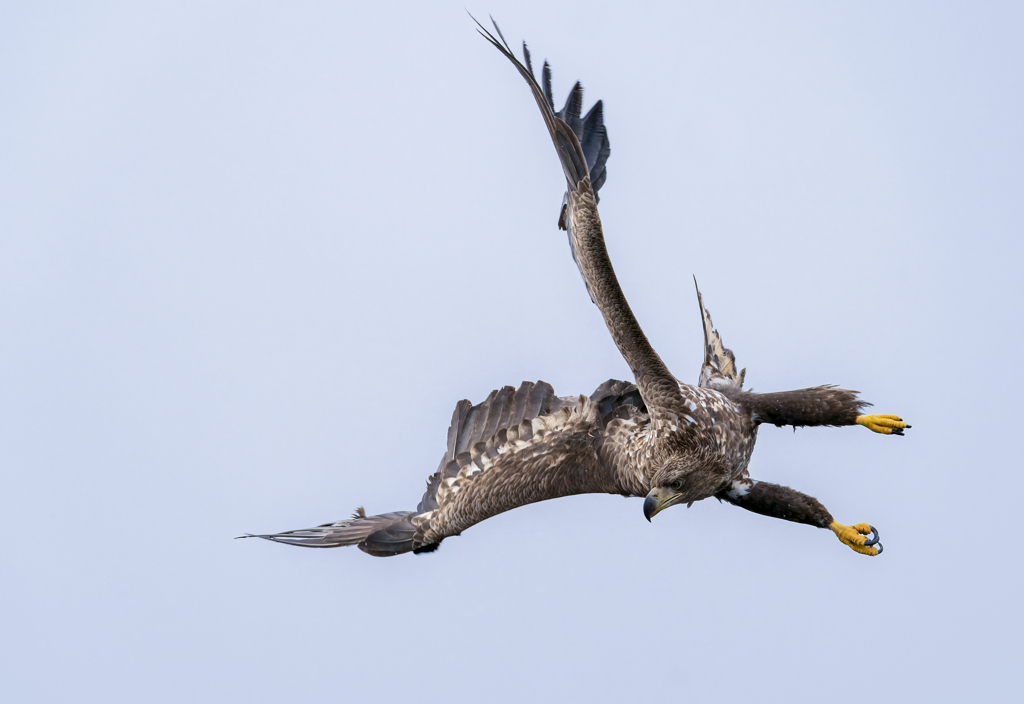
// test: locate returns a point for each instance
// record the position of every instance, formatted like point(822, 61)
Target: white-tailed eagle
point(658, 438)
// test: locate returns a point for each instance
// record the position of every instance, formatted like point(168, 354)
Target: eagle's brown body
point(658, 438)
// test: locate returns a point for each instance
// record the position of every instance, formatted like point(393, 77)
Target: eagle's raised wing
point(719, 368)
point(590, 153)
point(659, 389)
point(518, 447)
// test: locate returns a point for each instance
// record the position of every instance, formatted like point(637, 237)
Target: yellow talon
point(885, 424)
point(854, 536)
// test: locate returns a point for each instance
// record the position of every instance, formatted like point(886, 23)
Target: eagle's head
point(680, 480)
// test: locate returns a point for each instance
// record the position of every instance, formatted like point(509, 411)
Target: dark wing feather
point(459, 415)
point(496, 411)
point(566, 143)
point(545, 75)
point(570, 114)
point(566, 128)
point(520, 401)
point(596, 148)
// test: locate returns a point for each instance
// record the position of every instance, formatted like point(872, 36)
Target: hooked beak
point(658, 500)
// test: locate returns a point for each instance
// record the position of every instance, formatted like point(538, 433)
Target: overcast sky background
point(251, 255)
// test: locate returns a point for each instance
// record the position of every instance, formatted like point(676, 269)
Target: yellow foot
point(857, 538)
point(884, 424)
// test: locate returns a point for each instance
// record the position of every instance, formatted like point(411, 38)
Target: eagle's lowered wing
point(518, 447)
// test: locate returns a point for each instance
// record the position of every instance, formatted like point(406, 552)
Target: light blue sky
point(252, 254)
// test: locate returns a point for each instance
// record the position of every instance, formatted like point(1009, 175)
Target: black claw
point(869, 543)
point(898, 431)
point(910, 426)
point(879, 550)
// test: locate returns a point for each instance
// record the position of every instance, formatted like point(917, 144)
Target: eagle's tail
point(382, 535)
point(719, 361)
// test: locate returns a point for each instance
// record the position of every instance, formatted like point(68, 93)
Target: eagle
point(655, 438)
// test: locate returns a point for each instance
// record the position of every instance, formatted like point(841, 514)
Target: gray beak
point(650, 507)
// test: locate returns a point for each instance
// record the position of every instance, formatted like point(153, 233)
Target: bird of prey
point(658, 438)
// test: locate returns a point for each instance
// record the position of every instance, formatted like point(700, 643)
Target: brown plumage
point(517, 447)
point(658, 438)
point(820, 405)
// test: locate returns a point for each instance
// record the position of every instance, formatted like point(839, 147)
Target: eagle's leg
point(790, 505)
point(885, 424)
point(820, 405)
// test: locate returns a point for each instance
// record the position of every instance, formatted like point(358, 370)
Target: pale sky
point(252, 254)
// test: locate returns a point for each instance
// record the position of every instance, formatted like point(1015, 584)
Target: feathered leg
point(790, 505)
point(820, 405)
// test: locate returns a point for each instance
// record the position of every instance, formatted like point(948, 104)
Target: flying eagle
point(657, 438)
